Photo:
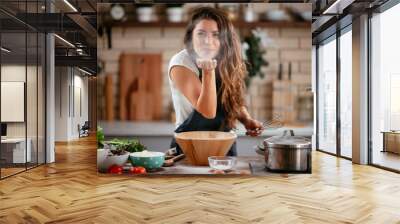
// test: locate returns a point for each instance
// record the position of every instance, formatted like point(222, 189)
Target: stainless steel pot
point(287, 153)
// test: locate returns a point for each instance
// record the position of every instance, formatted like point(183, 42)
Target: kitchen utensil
point(140, 83)
point(287, 153)
point(260, 150)
point(277, 15)
point(175, 14)
point(148, 159)
point(199, 145)
point(222, 162)
point(171, 161)
point(144, 14)
point(274, 123)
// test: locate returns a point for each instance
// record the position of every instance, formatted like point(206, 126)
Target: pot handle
point(285, 133)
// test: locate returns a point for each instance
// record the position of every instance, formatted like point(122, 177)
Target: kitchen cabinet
point(391, 141)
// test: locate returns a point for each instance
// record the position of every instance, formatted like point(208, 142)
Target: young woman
point(207, 78)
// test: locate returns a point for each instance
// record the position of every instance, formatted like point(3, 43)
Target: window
point(346, 93)
point(385, 86)
point(327, 96)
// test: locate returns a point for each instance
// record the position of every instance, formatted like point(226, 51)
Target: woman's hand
point(253, 127)
point(207, 64)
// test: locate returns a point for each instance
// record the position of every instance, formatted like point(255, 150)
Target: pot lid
point(287, 140)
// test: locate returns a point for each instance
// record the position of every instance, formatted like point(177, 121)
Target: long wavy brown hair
point(231, 66)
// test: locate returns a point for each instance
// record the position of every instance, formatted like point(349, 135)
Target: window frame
point(378, 10)
point(333, 37)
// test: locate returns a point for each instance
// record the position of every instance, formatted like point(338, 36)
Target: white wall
point(61, 103)
point(68, 83)
point(16, 73)
point(33, 126)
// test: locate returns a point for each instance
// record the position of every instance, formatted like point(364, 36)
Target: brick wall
point(288, 45)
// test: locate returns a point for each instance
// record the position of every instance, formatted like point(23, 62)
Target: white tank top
point(181, 104)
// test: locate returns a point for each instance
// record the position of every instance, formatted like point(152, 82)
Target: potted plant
point(253, 52)
point(175, 12)
point(144, 12)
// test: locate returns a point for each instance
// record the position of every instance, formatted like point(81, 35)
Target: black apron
point(197, 122)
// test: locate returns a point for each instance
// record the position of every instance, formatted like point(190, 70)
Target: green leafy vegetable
point(129, 145)
point(100, 137)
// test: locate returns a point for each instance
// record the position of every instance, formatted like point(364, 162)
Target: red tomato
point(132, 170)
point(115, 169)
point(139, 170)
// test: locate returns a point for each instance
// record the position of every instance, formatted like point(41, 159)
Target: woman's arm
point(253, 127)
point(244, 115)
point(202, 95)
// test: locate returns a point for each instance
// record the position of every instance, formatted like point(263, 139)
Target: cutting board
point(108, 89)
point(184, 168)
point(140, 87)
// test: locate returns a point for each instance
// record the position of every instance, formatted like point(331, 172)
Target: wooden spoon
point(170, 162)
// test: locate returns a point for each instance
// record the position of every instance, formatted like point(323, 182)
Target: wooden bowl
point(199, 145)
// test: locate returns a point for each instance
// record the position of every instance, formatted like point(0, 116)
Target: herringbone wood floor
point(70, 191)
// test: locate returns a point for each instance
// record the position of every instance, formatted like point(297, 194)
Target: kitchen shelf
point(237, 24)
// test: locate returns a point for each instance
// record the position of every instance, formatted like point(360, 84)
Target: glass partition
point(22, 90)
point(31, 97)
point(14, 152)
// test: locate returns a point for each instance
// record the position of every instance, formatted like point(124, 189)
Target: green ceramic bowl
point(147, 159)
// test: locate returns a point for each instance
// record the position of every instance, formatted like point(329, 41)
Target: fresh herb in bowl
point(100, 137)
point(128, 145)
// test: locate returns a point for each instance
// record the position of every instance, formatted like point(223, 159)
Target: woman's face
point(205, 38)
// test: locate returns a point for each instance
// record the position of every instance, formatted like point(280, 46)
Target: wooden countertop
point(245, 166)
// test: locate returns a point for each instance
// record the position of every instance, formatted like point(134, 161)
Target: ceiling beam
point(84, 24)
point(77, 61)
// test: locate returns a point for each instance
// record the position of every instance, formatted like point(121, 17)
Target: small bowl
point(147, 159)
point(110, 160)
point(222, 162)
